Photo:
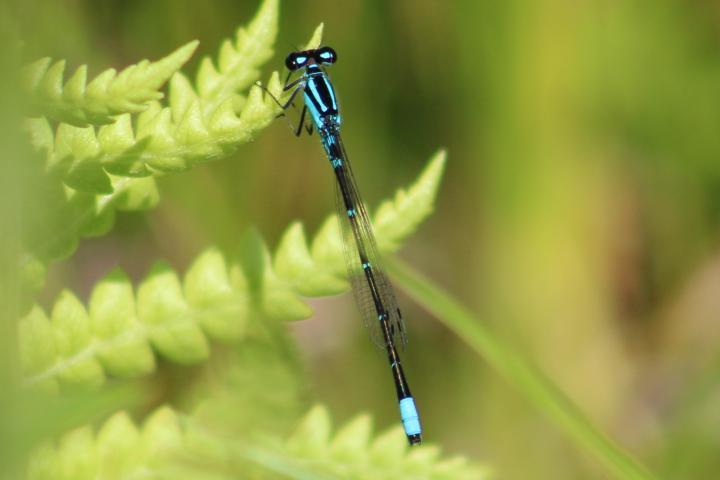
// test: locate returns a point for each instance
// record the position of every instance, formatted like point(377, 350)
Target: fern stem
point(521, 373)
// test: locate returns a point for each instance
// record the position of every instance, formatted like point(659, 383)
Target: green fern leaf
point(122, 345)
point(165, 139)
point(224, 307)
point(163, 308)
point(37, 349)
point(73, 339)
point(118, 450)
point(114, 335)
point(239, 61)
point(80, 103)
point(396, 219)
point(118, 332)
point(200, 123)
point(352, 452)
point(112, 167)
point(171, 445)
point(320, 268)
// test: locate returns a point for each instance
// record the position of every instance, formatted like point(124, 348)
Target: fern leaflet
point(119, 331)
point(80, 103)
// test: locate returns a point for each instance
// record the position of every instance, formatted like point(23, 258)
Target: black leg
point(308, 127)
point(302, 120)
point(287, 105)
point(290, 85)
point(290, 100)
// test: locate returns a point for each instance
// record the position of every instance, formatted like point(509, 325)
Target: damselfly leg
point(290, 103)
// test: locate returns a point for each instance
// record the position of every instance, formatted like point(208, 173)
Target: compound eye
point(296, 60)
point(325, 55)
point(291, 61)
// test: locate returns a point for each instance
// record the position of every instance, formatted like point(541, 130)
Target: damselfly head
point(321, 56)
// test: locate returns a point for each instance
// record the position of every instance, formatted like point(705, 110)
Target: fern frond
point(163, 139)
point(310, 269)
point(353, 452)
point(396, 219)
point(118, 450)
point(217, 299)
point(238, 61)
point(200, 122)
point(112, 167)
point(171, 445)
point(80, 103)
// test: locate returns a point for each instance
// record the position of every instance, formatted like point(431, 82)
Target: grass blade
point(521, 373)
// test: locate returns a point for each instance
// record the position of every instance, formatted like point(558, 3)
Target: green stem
point(522, 374)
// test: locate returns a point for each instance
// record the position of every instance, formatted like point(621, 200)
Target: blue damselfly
point(370, 285)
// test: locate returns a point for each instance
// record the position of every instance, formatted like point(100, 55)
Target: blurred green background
point(578, 215)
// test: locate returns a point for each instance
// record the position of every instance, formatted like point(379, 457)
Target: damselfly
point(370, 285)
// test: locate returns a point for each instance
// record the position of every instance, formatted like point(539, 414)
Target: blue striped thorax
point(320, 97)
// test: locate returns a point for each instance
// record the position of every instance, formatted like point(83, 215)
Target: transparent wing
point(360, 238)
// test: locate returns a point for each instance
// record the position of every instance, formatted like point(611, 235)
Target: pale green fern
point(353, 453)
point(201, 122)
point(111, 167)
point(238, 62)
point(217, 299)
point(80, 103)
point(118, 450)
point(171, 445)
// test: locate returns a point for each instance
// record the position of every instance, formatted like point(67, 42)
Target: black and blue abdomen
point(320, 98)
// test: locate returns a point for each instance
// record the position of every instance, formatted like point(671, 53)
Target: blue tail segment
point(410, 419)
